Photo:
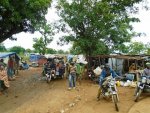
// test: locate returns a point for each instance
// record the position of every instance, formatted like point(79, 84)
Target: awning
point(7, 54)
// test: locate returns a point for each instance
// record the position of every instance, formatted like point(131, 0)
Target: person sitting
point(132, 68)
point(25, 65)
point(146, 72)
point(4, 83)
point(2, 63)
point(46, 67)
point(106, 72)
point(147, 69)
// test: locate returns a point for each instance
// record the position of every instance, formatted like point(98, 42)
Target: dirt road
point(29, 93)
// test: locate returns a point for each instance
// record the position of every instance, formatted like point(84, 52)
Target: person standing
point(72, 76)
point(67, 70)
point(10, 68)
point(79, 72)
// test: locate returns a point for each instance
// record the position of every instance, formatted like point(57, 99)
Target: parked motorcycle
point(109, 90)
point(143, 86)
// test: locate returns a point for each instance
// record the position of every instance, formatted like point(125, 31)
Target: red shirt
point(10, 63)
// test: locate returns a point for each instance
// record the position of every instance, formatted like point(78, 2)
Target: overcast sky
point(26, 39)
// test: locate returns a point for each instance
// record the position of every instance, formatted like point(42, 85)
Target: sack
point(97, 71)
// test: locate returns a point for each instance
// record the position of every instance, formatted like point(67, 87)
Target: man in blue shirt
point(107, 71)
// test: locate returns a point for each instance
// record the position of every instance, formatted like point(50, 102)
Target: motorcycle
point(109, 90)
point(50, 74)
point(143, 86)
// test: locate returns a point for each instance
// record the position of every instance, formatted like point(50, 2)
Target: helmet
point(148, 64)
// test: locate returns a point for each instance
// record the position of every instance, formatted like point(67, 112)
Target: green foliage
point(148, 51)
point(82, 49)
point(21, 15)
point(61, 52)
point(147, 48)
point(28, 50)
point(51, 51)
point(17, 49)
point(97, 26)
point(137, 48)
point(47, 36)
point(39, 45)
point(123, 49)
point(2, 48)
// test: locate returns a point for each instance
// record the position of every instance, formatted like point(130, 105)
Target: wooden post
point(136, 64)
point(116, 64)
point(99, 61)
point(143, 64)
point(128, 63)
point(111, 63)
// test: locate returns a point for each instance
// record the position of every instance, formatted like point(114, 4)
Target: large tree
point(21, 15)
point(97, 25)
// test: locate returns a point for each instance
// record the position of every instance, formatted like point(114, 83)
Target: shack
point(5, 56)
point(119, 63)
point(37, 59)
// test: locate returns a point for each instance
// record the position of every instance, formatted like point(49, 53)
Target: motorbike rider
point(49, 66)
point(147, 69)
point(146, 72)
point(46, 67)
point(106, 72)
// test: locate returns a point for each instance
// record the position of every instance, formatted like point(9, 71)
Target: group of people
point(57, 69)
point(7, 72)
point(72, 70)
point(107, 71)
point(75, 72)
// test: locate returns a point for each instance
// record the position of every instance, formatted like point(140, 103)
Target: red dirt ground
point(30, 93)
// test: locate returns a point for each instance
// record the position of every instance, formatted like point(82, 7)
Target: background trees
point(21, 15)
point(136, 48)
point(2, 47)
point(97, 26)
point(17, 49)
point(41, 43)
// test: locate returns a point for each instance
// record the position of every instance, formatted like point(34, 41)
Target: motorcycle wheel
point(48, 79)
point(115, 100)
point(137, 95)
